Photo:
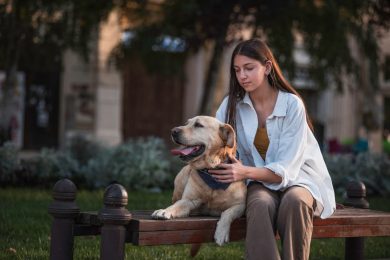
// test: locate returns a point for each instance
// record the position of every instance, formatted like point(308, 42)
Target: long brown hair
point(258, 50)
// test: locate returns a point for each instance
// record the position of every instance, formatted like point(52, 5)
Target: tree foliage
point(34, 34)
point(327, 29)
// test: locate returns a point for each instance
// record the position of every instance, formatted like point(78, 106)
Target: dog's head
point(204, 142)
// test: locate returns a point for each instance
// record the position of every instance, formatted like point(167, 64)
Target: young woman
point(279, 157)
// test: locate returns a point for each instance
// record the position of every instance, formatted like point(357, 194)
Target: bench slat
point(170, 237)
point(182, 237)
point(351, 231)
point(347, 216)
point(143, 230)
point(356, 217)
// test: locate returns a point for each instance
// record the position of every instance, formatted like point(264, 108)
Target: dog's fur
point(215, 142)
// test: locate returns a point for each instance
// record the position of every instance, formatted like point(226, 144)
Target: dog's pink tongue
point(184, 151)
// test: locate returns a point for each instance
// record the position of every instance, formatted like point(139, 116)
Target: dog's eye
point(197, 124)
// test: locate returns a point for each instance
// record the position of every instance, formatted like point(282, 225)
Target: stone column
point(114, 217)
point(64, 210)
point(356, 197)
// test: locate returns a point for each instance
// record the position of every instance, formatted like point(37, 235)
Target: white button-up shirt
point(293, 152)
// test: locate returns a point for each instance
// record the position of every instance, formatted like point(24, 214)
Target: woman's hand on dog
point(229, 172)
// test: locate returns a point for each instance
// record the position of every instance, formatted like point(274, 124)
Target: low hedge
point(138, 164)
point(372, 169)
point(144, 164)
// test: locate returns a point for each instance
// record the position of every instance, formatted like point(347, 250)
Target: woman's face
point(250, 73)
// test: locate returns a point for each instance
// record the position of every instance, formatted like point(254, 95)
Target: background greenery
point(25, 230)
point(144, 164)
point(138, 164)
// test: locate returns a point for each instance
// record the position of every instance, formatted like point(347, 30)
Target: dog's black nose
point(175, 132)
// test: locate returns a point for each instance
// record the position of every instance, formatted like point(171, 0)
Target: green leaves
point(39, 31)
point(9, 163)
point(138, 164)
point(372, 169)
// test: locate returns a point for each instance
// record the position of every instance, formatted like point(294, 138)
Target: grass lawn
point(25, 230)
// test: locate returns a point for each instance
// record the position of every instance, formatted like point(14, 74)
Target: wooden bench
point(117, 226)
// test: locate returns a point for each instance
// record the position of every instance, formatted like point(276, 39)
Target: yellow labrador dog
point(204, 143)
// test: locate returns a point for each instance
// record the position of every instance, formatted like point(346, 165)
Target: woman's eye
point(198, 124)
point(249, 69)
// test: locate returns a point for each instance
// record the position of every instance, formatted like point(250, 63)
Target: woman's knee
point(260, 207)
point(261, 202)
point(296, 197)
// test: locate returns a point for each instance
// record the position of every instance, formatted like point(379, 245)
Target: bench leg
point(354, 248)
point(114, 217)
point(356, 197)
point(64, 210)
point(112, 242)
point(61, 244)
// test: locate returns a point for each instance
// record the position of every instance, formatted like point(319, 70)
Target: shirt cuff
point(279, 170)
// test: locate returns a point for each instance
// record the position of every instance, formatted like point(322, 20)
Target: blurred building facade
point(91, 92)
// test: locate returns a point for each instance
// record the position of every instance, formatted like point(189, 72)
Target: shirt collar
point(247, 100)
point(280, 108)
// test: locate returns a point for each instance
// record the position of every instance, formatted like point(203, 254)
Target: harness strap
point(210, 181)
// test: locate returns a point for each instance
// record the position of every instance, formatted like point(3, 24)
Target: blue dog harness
point(210, 181)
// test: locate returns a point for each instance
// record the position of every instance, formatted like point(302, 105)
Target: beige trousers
point(290, 213)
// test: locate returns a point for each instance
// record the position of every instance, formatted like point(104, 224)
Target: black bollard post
point(356, 197)
point(64, 210)
point(114, 217)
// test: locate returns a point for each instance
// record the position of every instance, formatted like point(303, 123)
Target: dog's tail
point(195, 249)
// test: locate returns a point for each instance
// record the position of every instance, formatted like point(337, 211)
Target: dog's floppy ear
point(228, 135)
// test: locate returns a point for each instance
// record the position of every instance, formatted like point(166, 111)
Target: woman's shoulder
point(293, 100)
point(224, 103)
point(291, 96)
point(222, 108)
point(291, 104)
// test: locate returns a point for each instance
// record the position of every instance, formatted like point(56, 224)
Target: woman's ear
point(268, 67)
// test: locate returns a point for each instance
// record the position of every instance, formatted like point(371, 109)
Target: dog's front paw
point(221, 235)
point(161, 214)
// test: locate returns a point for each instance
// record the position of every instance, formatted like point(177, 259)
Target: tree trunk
point(211, 78)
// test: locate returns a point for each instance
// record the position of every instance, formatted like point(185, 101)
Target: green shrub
point(138, 164)
point(144, 163)
point(82, 148)
point(52, 165)
point(9, 163)
point(372, 169)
